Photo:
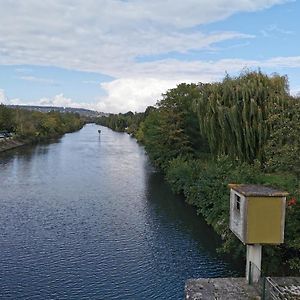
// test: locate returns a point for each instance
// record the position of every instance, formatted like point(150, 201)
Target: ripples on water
point(86, 217)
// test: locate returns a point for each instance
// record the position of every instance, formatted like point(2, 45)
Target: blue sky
point(33, 82)
point(116, 56)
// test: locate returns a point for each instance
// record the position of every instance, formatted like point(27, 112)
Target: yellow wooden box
point(257, 213)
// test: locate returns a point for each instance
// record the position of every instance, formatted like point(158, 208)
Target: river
point(88, 217)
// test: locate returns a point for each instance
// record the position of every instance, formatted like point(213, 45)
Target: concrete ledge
point(219, 289)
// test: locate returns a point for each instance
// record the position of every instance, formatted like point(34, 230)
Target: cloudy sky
point(120, 55)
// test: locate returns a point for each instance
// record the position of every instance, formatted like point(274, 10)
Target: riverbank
point(14, 142)
point(203, 137)
point(204, 184)
point(11, 143)
point(28, 127)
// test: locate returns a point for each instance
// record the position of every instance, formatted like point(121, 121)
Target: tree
point(283, 146)
point(232, 114)
point(7, 118)
point(172, 129)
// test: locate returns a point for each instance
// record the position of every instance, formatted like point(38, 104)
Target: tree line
point(36, 126)
point(244, 129)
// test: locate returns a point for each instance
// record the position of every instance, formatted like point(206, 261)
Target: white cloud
point(37, 79)
point(3, 98)
point(136, 93)
point(106, 35)
point(204, 71)
point(273, 30)
point(58, 100)
point(90, 82)
point(63, 101)
point(295, 91)
point(122, 95)
point(148, 81)
point(132, 94)
point(283, 62)
point(23, 70)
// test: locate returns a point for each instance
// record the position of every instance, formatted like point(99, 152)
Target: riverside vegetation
point(33, 126)
point(244, 129)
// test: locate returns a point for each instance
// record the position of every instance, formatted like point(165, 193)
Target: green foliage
point(128, 122)
point(283, 146)
point(172, 129)
point(35, 126)
point(139, 135)
point(155, 140)
point(205, 186)
point(233, 113)
point(241, 130)
point(7, 121)
point(180, 175)
point(204, 183)
point(177, 111)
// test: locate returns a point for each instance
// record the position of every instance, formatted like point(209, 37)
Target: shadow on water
point(175, 210)
point(27, 152)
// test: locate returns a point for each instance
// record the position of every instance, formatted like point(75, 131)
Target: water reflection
point(87, 218)
point(180, 214)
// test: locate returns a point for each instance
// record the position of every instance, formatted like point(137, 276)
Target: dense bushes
point(204, 184)
point(282, 149)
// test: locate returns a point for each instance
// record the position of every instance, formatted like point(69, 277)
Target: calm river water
point(87, 217)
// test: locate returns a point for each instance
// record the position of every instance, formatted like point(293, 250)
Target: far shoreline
point(11, 143)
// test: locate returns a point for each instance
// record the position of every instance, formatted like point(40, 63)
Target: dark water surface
point(87, 217)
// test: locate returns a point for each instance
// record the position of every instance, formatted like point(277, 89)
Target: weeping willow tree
point(282, 150)
point(232, 114)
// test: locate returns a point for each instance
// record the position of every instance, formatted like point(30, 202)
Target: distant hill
point(81, 111)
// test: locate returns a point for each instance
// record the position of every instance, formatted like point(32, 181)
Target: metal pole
point(263, 296)
point(249, 274)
